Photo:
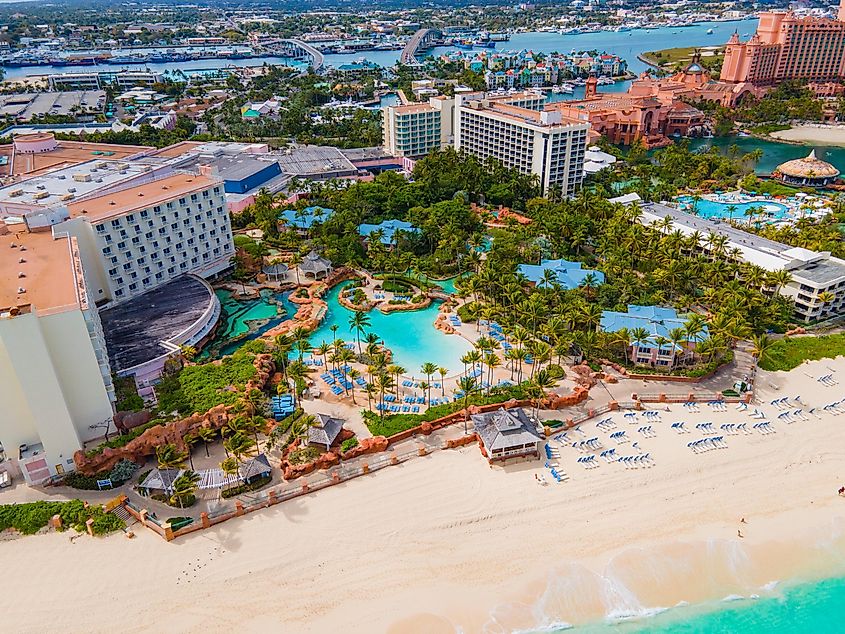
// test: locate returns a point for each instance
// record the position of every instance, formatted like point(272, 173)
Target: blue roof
point(657, 320)
point(389, 227)
point(307, 217)
point(569, 275)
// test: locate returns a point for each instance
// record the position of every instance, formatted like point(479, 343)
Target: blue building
point(657, 321)
point(568, 274)
point(388, 228)
point(305, 219)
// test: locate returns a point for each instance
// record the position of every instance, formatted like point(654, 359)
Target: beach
point(812, 134)
point(446, 543)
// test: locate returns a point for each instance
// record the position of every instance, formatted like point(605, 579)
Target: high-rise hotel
point(785, 47)
point(518, 129)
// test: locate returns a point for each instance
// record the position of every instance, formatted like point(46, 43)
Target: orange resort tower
point(788, 47)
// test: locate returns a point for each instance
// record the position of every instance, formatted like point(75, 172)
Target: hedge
point(31, 517)
point(256, 484)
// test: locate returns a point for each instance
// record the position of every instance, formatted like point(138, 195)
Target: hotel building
point(785, 47)
point(523, 134)
point(414, 130)
point(813, 273)
point(131, 240)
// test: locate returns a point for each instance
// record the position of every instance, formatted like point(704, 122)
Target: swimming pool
point(706, 208)
point(409, 334)
point(239, 316)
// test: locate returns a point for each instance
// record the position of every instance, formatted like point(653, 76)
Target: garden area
point(30, 517)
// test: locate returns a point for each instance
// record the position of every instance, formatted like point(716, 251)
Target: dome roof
point(808, 167)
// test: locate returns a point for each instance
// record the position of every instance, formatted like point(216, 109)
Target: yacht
point(709, 31)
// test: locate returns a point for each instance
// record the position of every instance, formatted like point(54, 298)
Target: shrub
point(31, 517)
point(348, 444)
point(187, 502)
point(122, 471)
point(304, 455)
point(254, 485)
point(468, 312)
point(123, 439)
point(395, 287)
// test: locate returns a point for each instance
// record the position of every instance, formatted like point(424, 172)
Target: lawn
point(678, 58)
point(790, 353)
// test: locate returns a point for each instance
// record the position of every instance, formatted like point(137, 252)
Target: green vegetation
point(303, 455)
point(120, 473)
point(768, 128)
point(790, 352)
point(674, 59)
point(127, 395)
point(146, 135)
point(348, 444)
point(198, 388)
point(30, 517)
point(254, 485)
point(123, 439)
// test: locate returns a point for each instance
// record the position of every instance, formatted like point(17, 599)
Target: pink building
point(788, 47)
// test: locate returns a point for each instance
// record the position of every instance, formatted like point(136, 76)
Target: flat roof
point(25, 106)
point(68, 153)
point(135, 329)
point(141, 196)
point(412, 108)
point(230, 167)
point(315, 160)
point(48, 269)
point(78, 180)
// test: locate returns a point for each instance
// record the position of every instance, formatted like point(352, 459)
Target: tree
point(469, 386)
point(760, 347)
point(359, 321)
point(353, 374)
point(207, 435)
point(542, 381)
point(184, 488)
point(168, 456)
point(428, 369)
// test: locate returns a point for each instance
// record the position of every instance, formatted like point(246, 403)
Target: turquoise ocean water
point(817, 607)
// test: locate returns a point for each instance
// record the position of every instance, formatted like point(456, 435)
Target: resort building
point(595, 160)
point(651, 111)
point(414, 130)
point(315, 266)
point(304, 219)
point(508, 433)
point(814, 276)
point(324, 431)
point(786, 46)
point(657, 349)
point(565, 274)
point(806, 172)
point(524, 135)
point(388, 230)
point(55, 379)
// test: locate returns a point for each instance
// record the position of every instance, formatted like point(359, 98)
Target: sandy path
point(446, 539)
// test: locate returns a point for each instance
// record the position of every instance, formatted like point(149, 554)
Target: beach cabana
point(809, 171)
point(159, 480)
point(324, 431)
point(315, 266)
point(508, 433)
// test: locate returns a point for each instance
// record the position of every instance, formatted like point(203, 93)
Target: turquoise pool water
point(712, 209)
point(409, 334)
point(816, 607)
point(238, 317)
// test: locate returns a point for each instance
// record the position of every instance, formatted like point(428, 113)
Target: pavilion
point(508, 433)
point(315, 266)
point(325, 430)
point(809, 171)
point(277, 272)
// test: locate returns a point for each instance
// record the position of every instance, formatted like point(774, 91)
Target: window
point(100, 228)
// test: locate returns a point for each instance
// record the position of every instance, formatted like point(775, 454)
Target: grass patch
point(787, 354)
point(304, 455)
point(395, 423)
point(31, 517)
point(348, 444)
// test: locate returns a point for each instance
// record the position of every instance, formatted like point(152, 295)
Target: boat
point(465, 45)
point(709, 31)
point(488, 44)
point(566, 89)
point(556, 90)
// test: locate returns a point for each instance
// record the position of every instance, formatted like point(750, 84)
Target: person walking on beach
point(841, 490)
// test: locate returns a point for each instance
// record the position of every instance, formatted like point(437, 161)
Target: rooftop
point(305, 218)
point(388, 229)
point(69, 153)
point(656, 320)
point(316, 161)
point(135, 329)
point(141, 196)
point(48, 267)
point(568, 275)
point(73, 182)
point(325, 430)
point(506, 428)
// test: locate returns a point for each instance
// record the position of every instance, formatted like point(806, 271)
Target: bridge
point(295, 49)
point(421, 40)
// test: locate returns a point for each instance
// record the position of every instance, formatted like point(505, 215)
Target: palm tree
point(639, 336)
point(323, 350)
point(230, 467)
point(493, 361)
point(543, 381)
point(353, 374)
point(428, 368)
point(169, 457)
point(190, 440)
point(761, 345)
point(443, 372)
point(295, 261)
point(826, 297)
point(468, 386)
point(371, 390)
point(677, 336)
point(384, 383)
point(207, 435)
point(359, 321)
point(184, 488)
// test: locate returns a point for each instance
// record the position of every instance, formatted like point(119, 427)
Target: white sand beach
point(446, 541)
point(814, 134)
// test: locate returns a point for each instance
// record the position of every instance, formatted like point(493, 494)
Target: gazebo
point(325, 430)
point(277, 272)
point(806, 172)
point(315, 266)
point(159, 480)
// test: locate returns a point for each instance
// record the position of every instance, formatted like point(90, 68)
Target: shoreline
point(810, 135)
point(446, 541)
